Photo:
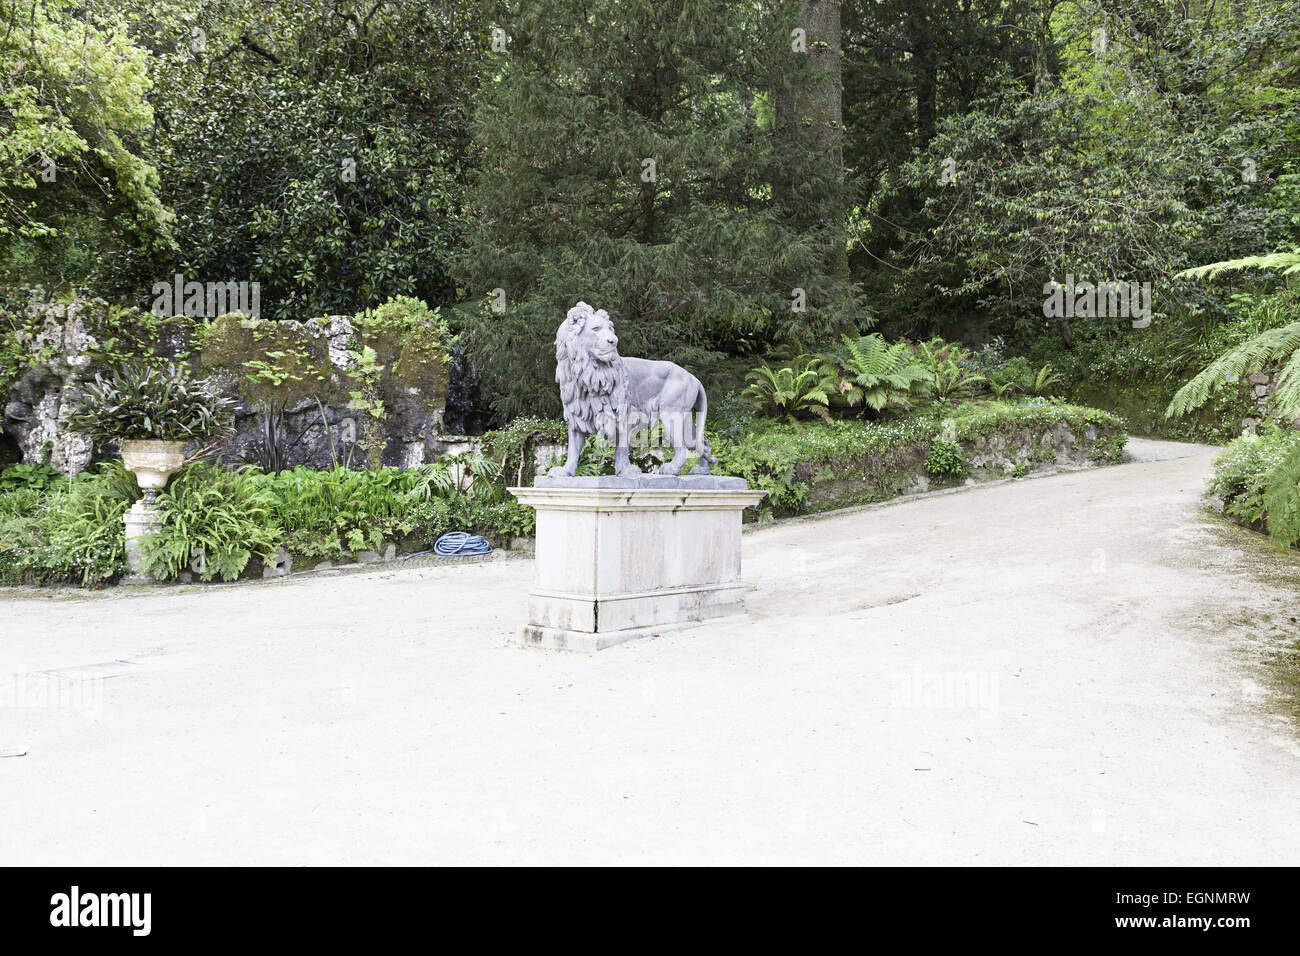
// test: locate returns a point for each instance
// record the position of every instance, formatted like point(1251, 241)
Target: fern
point(1288, 262)
point(1272, 345)
point(213, 520)
point(873, 374)
point(786, 393)
point(1282, 501)
point(1045, 379)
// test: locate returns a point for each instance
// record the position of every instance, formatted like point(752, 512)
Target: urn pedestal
point(152, 463)
point(142, 519)
point(621, 558)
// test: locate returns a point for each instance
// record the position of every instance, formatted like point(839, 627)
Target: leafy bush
point(945, 460)
point(952, 368)
point(786, 393)
point(39, 478)
point(1013, 375)
point(434, 517)
point(1258, 478)
point(1279, 345)
point(80, 535)
point(20, 510)
point(871, 373)
point(515, 444)
point(212, 519)
point(324, 513)
point(136, 402)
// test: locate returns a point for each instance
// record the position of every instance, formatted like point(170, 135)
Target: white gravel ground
point(1058, 670)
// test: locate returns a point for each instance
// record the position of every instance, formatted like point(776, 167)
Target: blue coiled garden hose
point(461, 542)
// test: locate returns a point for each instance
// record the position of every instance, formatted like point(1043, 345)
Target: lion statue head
point(589, 371)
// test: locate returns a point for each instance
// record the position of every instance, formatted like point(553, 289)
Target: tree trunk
point(815, 115)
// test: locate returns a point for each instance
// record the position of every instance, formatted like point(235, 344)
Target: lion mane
point(593, 393)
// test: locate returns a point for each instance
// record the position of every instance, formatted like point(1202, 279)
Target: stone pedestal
point(142, 519)
point(620, 558)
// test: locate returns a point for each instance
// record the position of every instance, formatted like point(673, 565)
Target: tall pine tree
point(629, 157)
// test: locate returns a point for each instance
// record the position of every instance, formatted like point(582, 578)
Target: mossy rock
point(277, 363)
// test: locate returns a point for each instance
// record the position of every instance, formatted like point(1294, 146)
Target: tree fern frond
point(1286, 397)
point(1288, 262)
point(1250, 356)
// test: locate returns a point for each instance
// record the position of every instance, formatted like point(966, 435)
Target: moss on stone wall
point(275, 363)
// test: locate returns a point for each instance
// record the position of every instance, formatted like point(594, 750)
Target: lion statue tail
point(701, 443)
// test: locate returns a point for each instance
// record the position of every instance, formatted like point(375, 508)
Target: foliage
point(951, 368)
point(1123, 160)
point(1013, 375)
point(515, 445)
point(724, 226)
point(787, 392)
point(945, 460)
point(366, 397)
point(818, 465)
point(75, 94)
point(1045, 378)
point(213, 521)
point(334, 146)
point(1280, 345)
point(1287, 262)
point(871, 373)
point(41, 479)
point(20, 510)
point(326, 513)
point(137, 402)
point(1258, 479)
point(1282, 501)
point(79, 535)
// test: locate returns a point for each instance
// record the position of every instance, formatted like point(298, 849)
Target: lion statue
point(611, 396)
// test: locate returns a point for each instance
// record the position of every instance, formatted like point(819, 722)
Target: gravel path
point(1057, 670)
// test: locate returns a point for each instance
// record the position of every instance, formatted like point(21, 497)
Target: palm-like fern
point(786, 393)
point(872, 373)
point(1273, 346)
point(1045, 379)
point(1288, 262)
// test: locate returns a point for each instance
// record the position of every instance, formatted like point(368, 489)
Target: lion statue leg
point(623, 466)
point(677, 428)
point(570, 467)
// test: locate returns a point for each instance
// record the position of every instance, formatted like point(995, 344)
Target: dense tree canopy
point(634, 163)
point(726, 178)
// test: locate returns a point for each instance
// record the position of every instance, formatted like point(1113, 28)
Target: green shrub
point(81, 536)
point(1282, 501)
point(137, 402)
point(868, 372)
point(40, 478)
point(1013, 375)
point(945, 460)
point(212, 519)
point(787, 393)
point(20, 510)
point(1258, 478)
point(502, 520)
point(515, 444)
point(324, 513)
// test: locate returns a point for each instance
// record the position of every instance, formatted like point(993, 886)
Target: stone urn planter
point(152, 462)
